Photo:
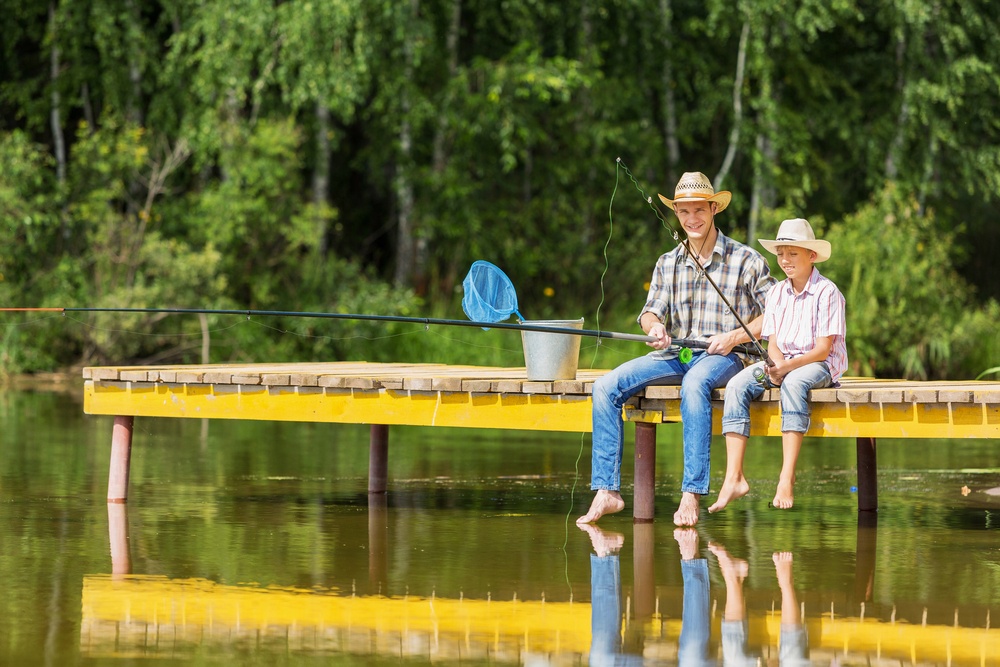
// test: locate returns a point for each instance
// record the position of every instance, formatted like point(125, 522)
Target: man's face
point(695, 217)
point(795, 262)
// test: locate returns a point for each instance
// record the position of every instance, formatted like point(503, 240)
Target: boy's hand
point(777, 372)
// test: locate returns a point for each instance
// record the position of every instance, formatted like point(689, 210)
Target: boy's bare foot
point(687, 511)
point(687, 540)
point(730, 491)
point(731, 567)
point(605, 502)
point(784, 497)
point(604, 542)
point(783, 566)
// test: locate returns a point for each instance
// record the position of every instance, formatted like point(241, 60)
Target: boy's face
point(796, 262)
point(695, 217)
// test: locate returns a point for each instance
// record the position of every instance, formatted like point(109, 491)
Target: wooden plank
point(955, 396)
point(988, 396)
point(886, 396)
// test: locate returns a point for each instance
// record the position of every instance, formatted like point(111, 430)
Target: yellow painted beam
point(852, 420)
point(199, 612)
point(535, 412)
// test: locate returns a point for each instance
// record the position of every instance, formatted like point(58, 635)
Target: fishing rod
point(426, 321)
point(683, 242)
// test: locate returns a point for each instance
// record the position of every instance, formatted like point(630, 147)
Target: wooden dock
point(484, 397)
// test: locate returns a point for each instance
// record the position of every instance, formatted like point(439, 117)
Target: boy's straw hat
point(799, 233)
point(695, 186)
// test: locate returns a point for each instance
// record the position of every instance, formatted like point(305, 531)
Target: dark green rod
point(593, 333)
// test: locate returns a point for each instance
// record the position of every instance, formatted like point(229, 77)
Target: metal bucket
point(551, 356)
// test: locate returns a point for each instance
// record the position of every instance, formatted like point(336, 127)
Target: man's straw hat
point(695, 186)
point(799, 233)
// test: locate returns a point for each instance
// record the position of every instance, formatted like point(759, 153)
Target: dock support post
point(121, 554)
point(378, 458)
point(644, 571)
point(867, 476)
point(121, 455)
point(645, 472)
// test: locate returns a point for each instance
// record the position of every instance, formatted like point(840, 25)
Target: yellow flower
point(548, 291)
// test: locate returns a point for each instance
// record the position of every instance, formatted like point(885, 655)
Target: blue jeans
point(605, 609)
point(697, 379)
point(794, 397)
point(693, 644)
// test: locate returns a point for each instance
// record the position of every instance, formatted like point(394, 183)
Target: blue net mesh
point(489, 294)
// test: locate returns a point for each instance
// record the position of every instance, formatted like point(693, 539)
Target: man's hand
point(722, 343)
point(778, 371)
point(659, 332)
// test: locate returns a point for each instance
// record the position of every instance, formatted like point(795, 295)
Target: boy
point(804, 323)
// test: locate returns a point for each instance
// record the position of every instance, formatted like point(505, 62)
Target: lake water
point(256, 543)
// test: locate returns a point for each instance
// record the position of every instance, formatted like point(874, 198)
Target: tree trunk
point(133, 110)
point(669, 104)
point(321, 173)
point(896, 147)
point(58, 141)
point(404, 185)
point(734, 134)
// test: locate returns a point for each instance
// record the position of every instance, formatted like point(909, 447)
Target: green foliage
point(263, 155)
point(904, 299)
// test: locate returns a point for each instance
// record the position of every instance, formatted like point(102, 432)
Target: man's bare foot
point(784, 497)
point(687, 540)
point(605, 502)
point(604, 542)
point(731, 490)
point(687, 511)
point(731, 567)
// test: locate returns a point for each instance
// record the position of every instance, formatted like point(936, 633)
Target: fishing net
point(489, 294)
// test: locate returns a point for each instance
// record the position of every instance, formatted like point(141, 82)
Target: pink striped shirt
point(793, 321)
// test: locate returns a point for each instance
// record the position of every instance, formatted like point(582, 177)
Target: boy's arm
point(783, 367)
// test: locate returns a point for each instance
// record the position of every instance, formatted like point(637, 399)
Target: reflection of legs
point(605, 609)
point(693, 644)
point(794, 647)
point(610, 393)
point(734, 623)
point(705, 373)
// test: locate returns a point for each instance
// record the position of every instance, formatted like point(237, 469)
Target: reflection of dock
point(140, 615)
point(153, 616)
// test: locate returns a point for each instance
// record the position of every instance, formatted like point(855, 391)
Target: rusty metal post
point(644, 571)
point(378, 459)
point(645, 472)
point(121, 554)
point(121, 455)
point(867, 476)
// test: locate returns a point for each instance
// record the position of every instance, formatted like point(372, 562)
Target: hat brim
point(721, 198)
point(822, 248)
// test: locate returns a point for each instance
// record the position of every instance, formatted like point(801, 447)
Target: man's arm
point(725, 342)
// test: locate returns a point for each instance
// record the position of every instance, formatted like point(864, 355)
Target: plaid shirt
point(691, 308)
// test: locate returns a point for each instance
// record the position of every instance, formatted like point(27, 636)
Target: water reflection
point(723, 619)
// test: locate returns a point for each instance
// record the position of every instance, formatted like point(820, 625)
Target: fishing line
point(683, 243)
point(593, 360)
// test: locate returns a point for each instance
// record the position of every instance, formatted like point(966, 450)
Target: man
point(683, 304)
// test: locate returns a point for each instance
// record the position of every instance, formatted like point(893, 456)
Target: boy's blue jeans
point(697, 379)
point(795, 412)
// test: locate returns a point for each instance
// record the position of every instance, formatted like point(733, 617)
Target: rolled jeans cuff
point(797, 422)
point(737, 425)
